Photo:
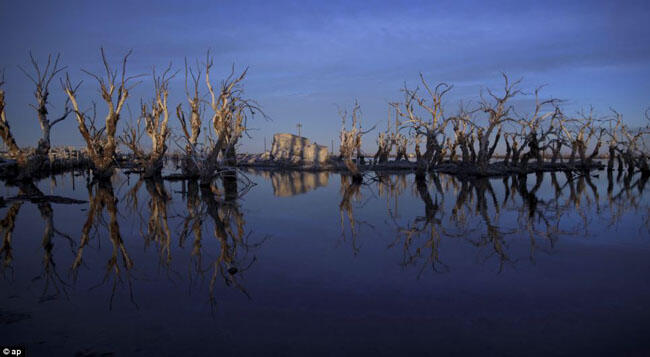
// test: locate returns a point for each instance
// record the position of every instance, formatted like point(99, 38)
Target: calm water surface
point(309, 264)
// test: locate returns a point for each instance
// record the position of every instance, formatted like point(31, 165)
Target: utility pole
point(265, 144)
point(299, 127)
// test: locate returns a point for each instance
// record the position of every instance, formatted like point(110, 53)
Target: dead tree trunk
point(432, 129)
point(498, 113)
point(5, 129)
point(402, 143)
point(384, 147)
point(190, 164)
point(101, 144)
point(350, 141)
point(155, 118)
point(42, 80)
point(231, 112)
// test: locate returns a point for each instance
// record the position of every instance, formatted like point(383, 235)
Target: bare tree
point(386, 140)
point(42, 79)
point(498, 112)
point(190, 162)
point(230, 114)
point(538, 130)
point(351, 140)
point(156, 118)
point(578, 132)
point(101, 144)
point(433, 128)
point(5, 129)
point(231, 111)
point(633, 154)
point(463, 133)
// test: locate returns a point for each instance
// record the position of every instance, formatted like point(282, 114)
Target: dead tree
point(578, 132)
point(231, 113)
point(463, 133)
point(402, 142)
point(190, 165)
point(156, 118)
point(498, 111)
point(613, 134)
point(101, 144)
point(432, 129)
point(386, 140)
point(633, 155)
point(5, 129)
point(42, 80)
point(537, 129)
point(384, 146)
point(351, 140)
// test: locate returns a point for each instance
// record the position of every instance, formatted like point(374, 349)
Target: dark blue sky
point(306, 57)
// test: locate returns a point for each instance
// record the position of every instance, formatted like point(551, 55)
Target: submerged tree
point(42, 80)
point(5, 128)
point(156, 118)
point(32, 162)
point(433, 128)
point(498, 111)
point(230, 114)
point(351, 140)
point(101, 143)
point(190, 163)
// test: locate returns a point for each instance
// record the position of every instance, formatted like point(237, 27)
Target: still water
point(298, 263)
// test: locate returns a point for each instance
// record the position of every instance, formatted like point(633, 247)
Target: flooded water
point(298, 263)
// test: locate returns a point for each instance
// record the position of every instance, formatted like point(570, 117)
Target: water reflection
point(53, 285)
point(291, 183)
point(7, 225)
point(119, 265)
point(490, 222)
point(489, 215)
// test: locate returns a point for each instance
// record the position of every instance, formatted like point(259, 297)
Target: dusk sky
point(307, 57)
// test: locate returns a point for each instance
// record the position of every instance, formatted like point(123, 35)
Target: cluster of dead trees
point(467, 141)
point(229, 115)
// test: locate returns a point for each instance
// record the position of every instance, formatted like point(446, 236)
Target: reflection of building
point(292, 183)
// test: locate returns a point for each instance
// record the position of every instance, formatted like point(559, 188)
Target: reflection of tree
point(428, 226)
point(390, 189)
point(52, 279)
point(194, 220)
point(7, 225)
point(102, 198)
point(158, 226)
point(624, 194)
point(218, 204)
point(350, 190)
point(477, 213)
point(229, 230)
point(494, 236)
